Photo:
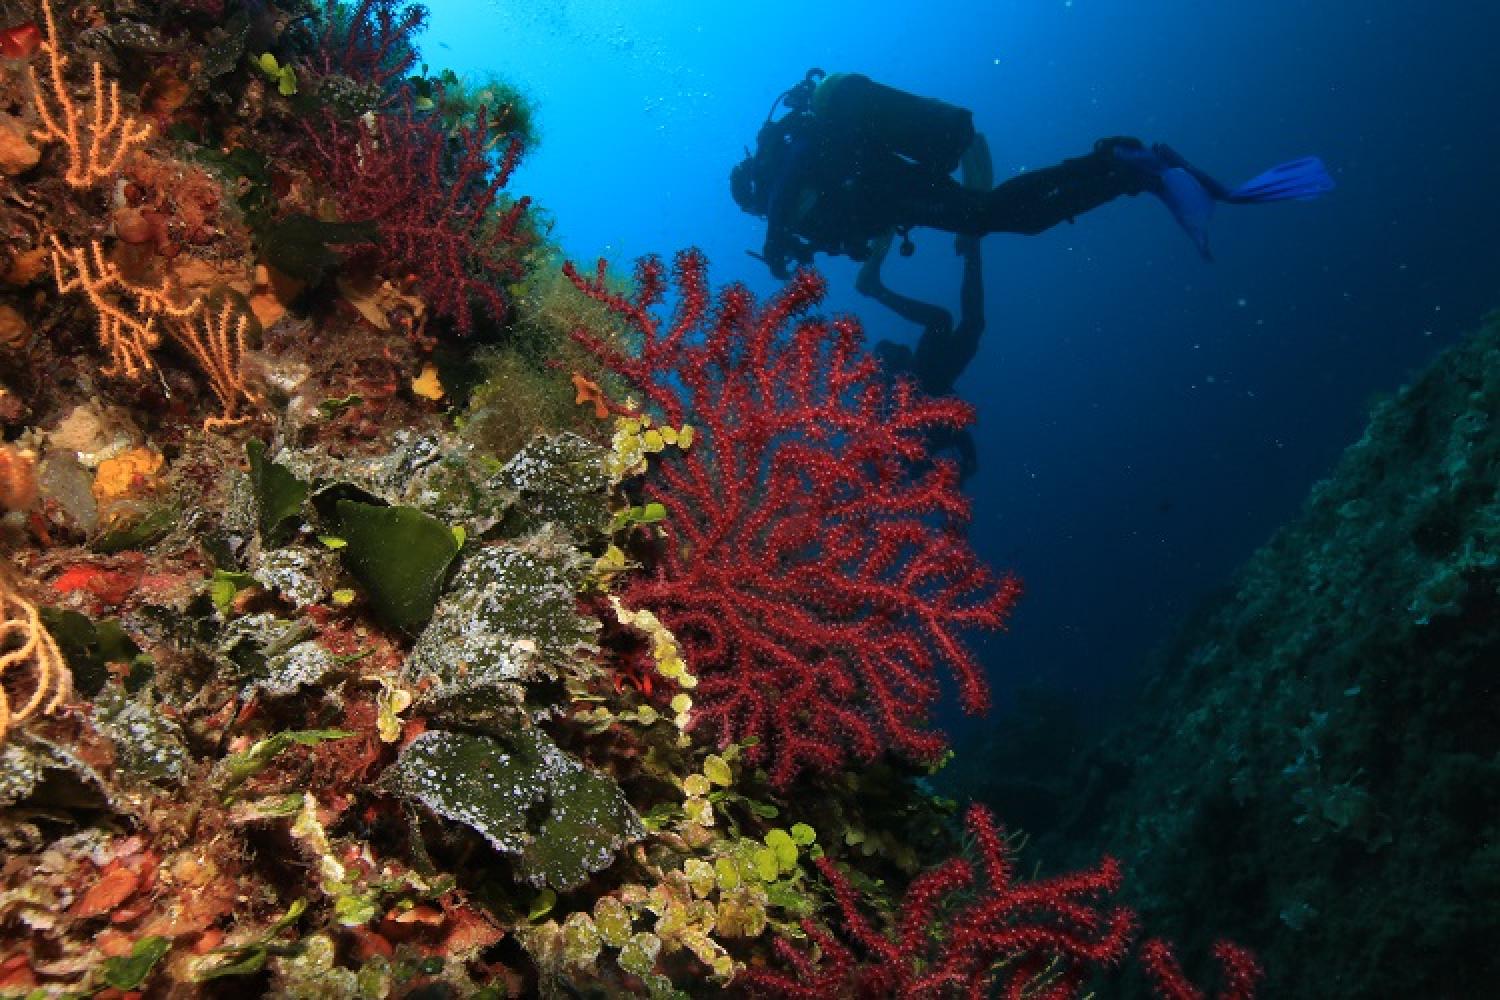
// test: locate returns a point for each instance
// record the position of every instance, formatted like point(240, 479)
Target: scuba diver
point(852, 160)
point(944, 348)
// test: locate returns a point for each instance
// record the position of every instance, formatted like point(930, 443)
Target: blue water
point(1145, 419)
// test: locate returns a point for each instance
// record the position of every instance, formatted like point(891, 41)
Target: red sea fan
point(953, 938)
point(371, 43)
point(435, 201)
point(812, 564)
point(1237, 968)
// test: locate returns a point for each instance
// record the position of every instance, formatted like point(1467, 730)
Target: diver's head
point(745, 189)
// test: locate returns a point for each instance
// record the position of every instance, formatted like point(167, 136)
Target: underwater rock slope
point(1322, 754)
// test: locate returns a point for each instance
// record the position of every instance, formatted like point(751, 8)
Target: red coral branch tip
point(1239, 971)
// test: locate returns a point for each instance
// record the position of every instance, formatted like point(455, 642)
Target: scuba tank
point(925, 130)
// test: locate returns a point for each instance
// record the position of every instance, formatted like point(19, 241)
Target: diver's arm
point(782, 242)
point(782, 246)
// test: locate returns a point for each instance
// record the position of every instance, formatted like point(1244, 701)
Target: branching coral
point(370, 44)
point(1238, 969)
point(129, 335)
point(1037, 939)
point(812, 562)
point(436, 205)
point(34, 678)
point(97, 141)
point(215, 338)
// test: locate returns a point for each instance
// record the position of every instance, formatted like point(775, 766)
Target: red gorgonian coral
point(1237, 968)
point(958, 937)
point(812, 562)
point(434, 199)
point(1041, 939)
point(370, 43)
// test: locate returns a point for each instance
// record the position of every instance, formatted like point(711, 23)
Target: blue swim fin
point(1190, 203)
point(1190, 194)
point(1296, 180)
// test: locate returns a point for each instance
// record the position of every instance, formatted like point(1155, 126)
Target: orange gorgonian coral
point(97, 139)
point(34, 678)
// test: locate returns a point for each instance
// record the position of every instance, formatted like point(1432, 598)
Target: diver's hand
point(777, 264)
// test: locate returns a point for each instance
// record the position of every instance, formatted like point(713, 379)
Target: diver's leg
point(870, 283)
point(1040, 199)
point(943, 352)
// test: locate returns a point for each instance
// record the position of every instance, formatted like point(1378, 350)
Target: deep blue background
point(1146, 419)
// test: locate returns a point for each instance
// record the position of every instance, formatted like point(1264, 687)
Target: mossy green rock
point(46, 775)
point(523, 795)
point(509, 619)
point(1316, 767)
point(149, 747)
point(255, 647)
point(300, 575)
point(586, 823)
point(558, 479)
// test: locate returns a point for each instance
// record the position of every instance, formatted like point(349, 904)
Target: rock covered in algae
point(529, 799)
point(148, 746)
point(44, 774)
point(557, 479)
point(299, 575)
point(440, 476)
point(509, 618)
point(1336, 712)
point(275, 657)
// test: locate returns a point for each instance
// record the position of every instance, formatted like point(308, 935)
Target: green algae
point(400, 556)
point(526, 797)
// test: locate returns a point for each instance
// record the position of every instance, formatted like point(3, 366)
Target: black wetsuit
point(837, 176)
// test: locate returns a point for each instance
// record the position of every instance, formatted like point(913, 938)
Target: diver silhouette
point(944, 348)
point(853, 160)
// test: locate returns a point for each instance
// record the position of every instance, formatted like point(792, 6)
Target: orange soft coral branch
point(128, 337)
point(30, 663)
point(128, 330)
point(217, 341)
point(97, 142)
